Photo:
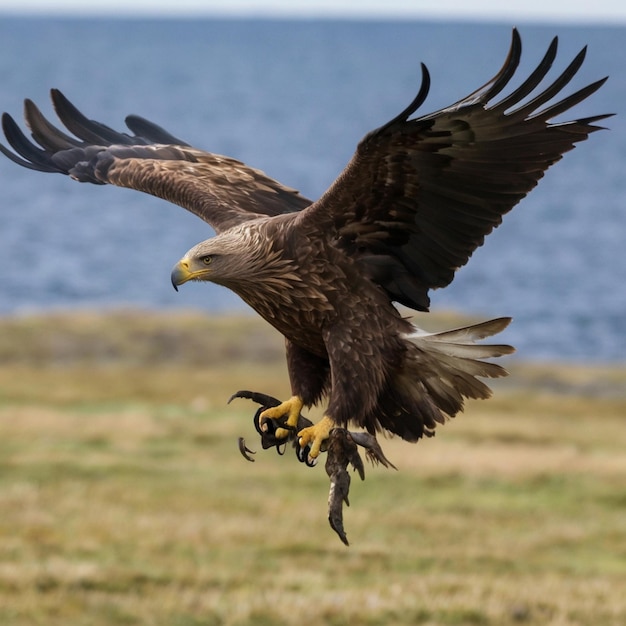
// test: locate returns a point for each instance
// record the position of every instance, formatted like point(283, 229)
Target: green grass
point(124, 499)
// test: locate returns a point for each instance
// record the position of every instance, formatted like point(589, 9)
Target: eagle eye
point(207, 260)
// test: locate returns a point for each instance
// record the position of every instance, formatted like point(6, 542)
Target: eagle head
point(241, 259)
point(220, 259)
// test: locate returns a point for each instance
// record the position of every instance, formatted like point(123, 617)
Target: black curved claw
point(270, 425)
point(245, 451)
point(302, 454)
point(256, 396)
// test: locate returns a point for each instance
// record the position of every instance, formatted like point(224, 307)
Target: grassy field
point(124, 499)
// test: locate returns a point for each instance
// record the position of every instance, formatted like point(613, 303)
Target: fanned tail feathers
point(440, 371)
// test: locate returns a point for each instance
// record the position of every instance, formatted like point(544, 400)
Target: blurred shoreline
point(190, 338)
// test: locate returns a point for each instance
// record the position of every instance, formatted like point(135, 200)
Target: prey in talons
point(286, 417)
point(341, 444)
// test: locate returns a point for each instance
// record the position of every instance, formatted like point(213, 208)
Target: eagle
point(417, 198)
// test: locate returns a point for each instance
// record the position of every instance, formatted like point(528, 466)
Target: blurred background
point(290, 88)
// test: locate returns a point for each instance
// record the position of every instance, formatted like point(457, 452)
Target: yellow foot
point(291, 408)
point(315, 436)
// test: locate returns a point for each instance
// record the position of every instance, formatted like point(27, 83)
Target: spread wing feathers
point(420, 195)
point(221, 190)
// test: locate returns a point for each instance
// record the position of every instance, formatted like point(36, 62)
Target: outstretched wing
point(420, 195)
point(221, 190)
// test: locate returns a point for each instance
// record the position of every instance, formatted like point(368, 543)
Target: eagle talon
point(302, 453)
point(277, 431)
point(315, 437)
point(290, 409)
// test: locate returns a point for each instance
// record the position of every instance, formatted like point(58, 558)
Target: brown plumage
point(415, 201)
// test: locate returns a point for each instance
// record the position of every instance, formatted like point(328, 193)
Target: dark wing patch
point(222, 191)
point(420, 195)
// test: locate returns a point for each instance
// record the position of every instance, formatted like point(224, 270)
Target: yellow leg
point(291, 408)
point(316, 435)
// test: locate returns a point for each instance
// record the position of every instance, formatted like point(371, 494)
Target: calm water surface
point(294, 98)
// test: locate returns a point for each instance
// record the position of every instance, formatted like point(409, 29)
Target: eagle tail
point(440, 371)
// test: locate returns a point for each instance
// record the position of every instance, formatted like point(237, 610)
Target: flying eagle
point(418, 197)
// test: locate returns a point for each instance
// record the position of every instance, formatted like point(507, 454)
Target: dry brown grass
point(124, 500)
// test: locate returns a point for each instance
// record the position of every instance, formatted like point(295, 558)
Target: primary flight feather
point(417, 198)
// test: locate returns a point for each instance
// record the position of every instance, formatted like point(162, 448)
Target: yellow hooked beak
point(182, 272)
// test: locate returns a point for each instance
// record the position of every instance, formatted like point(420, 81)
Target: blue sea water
point(293, 98)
